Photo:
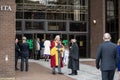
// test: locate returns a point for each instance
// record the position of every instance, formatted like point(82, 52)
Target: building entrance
point(82, 41)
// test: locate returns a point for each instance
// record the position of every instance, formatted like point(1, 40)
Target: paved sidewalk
point(38, 72)
point(86, 72)
point(43, 70)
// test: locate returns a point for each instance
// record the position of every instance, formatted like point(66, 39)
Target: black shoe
point(60, 73)
point(76, 73)
point(72, 74)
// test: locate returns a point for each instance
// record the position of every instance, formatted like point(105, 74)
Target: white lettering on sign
point(5, 8)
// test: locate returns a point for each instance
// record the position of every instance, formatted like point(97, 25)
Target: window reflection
point(72, 12)
point(34, 15)
point(56, 26)
point(112, 18)
point(18, 25)
point(57, 16)
point(34, 25)
point(19, 15)
point(74, 26)
point(19, 1)
point(61, 8)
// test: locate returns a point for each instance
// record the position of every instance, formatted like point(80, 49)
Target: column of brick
point(7, 40)
point(97, 12)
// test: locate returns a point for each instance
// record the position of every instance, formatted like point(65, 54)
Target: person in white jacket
point(66, 55)
point(47, 45)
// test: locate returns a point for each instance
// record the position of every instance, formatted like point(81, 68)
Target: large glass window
point(112, 18)
point(73, 11)
point(19, 1)
point(34, 15)
point(56, 26)
point(76, 10)
point(63, 17)
point(28, 15)
point(32, 25)
point(56, 16)
point(18, 25)
point(19, 15)
point(78, 26)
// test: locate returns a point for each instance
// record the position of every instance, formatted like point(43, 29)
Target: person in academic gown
point(73, 63)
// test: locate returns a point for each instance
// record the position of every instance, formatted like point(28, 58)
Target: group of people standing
point(42, 49)
point(22, 50)
point(58, 54)
point(107, 58)
point(57, 50)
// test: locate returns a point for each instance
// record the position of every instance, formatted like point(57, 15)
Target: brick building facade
point(93, 22)
point(7, 38)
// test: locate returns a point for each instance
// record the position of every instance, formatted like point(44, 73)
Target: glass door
point(82, 42)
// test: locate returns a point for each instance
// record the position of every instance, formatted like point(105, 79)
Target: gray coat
point(107, 56)
point(74, 57)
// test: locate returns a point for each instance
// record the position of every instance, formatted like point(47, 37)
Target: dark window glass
point(39, 15)
point(78, 26)
point(34, 25)
point(56, 26)
point(19, 1)
point(28, 15)
point(71, 16)
point(56, 2)
point(34, 15)
point(78, 17)
point(57, 16)
point(81, 41)
point(19, 7)
point(112, 18)
point(30, 1)
point(18, 25)
point(19, 15)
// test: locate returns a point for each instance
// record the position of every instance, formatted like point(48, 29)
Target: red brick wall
point(97, 12)
point(7, 38)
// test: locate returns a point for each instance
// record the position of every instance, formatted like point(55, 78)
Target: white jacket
point(47, 45)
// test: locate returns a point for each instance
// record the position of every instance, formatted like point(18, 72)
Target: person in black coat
point(17, 53)
point(24, 54)
point(73, 63)
point(107, 58)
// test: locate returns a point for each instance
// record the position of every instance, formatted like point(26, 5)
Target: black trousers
point(24, 59)
point(108, 74)
point(16, 62)
point(37, 55)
